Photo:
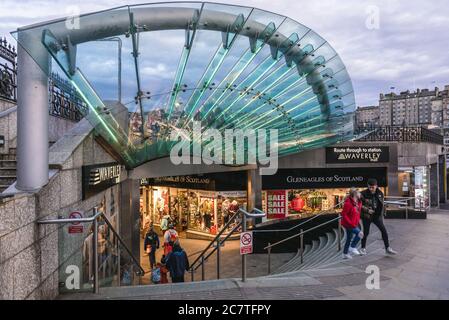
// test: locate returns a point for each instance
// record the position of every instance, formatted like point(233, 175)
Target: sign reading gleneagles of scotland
point(356, 154)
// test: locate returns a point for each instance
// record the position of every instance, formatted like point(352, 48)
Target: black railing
point(8, 71)
point(65, 101)
point(399, 134)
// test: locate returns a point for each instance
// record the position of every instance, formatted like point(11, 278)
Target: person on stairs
point(373, 211)
point(350, 219)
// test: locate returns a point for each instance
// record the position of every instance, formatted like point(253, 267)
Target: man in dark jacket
point(177, 262)
point(152, 241)
point(373, 210)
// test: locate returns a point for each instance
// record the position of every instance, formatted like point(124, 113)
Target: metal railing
point(301, 240)
point(217, 243)
point(95, 219)
point(399, 134)
point(402, 202)
point(303, 222)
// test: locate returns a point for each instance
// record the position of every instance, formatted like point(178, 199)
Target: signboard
point(219, 181)
point(276, 204)
point(97, 178)
point(246, 242)
point(76, 227)
point(323, 178)
point(356, 154)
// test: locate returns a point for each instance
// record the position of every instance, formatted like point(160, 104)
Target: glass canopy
point(169, 65)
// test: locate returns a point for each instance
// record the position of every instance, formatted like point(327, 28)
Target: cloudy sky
point(384, 43)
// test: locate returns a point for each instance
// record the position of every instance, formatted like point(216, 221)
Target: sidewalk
point(419, 271)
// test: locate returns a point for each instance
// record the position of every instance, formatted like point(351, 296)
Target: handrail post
point(218, 258)
point(301, 245)
point(243, 255)
point(269, 258)
point(95, 254)
point(202, 268)
point(191, 273)
point(339, 236)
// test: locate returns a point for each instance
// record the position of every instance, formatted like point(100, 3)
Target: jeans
point(152, 256)
point(353, 244)
point(177, 279)
point(378, 221)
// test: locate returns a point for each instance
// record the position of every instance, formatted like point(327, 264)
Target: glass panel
point(228, 66)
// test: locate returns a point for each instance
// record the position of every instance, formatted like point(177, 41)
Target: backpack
point(173, 237)
point(156, 275)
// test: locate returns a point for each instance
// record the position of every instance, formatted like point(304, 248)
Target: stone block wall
point(8, 126)
point(31, 255)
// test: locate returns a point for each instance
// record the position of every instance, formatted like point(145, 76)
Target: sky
point(383, 43)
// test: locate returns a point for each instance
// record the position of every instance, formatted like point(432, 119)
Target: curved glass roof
point(230, 67)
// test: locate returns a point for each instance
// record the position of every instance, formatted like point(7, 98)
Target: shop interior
point(190, 210)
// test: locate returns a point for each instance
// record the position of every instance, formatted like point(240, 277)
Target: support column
point(254, 190)
point(32, 119)
point(130, 215)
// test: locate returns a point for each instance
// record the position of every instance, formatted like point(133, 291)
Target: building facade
point(367, 116)
point(407, 108)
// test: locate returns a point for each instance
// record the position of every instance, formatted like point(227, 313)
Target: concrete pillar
point(32, 119)
point(130, 215)
point(254, 190)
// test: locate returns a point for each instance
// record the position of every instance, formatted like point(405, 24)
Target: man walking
point(177, 262)
point(151, 244)
point(373, 210)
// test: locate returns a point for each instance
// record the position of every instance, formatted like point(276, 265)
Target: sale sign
point(276, 204)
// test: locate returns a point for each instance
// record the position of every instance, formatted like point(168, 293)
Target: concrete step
point(8, 163)
point(8, 171)
point(331, 249)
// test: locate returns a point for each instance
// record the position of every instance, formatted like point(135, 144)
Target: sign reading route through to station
point(246, 242)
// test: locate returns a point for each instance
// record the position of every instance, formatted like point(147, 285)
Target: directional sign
point(246, 242)
point(76, 227)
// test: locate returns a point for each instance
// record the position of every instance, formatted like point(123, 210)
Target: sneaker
point(354, 251)
point(390, 251)
point(347, 256)
point(362, 252)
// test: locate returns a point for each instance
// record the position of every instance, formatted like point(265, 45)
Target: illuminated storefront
point(303, 192)
point(196, 204)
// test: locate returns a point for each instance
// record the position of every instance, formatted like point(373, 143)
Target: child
point(163, 269)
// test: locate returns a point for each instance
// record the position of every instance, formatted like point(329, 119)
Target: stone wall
point(31, 255)
point(8, 125)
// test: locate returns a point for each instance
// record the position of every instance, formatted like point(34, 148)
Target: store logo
point(237, 147)
point(100, 175)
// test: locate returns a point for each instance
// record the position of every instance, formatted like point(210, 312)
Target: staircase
point(323, 254)
point(8, 165)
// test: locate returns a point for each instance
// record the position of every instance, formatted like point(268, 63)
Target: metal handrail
point(301, 238)
point(215, 239)
point(256, 213)
point(303, 222)
point(94, 219)
point(141, 272)
point(301, 233)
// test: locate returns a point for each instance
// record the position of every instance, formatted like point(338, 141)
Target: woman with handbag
point(350, 218)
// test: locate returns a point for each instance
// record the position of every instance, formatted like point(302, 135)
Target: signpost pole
point(244, 255)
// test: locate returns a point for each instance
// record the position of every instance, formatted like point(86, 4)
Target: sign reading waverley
point(356, 154)
point(97, 178)
point(324, 178)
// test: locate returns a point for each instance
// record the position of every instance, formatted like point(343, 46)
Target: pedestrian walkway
point(419, 271)
point(230, 266)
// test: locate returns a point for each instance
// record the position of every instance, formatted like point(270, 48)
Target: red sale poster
point(276, 204)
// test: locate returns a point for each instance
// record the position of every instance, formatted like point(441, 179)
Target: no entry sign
point(246, 242)
point(75, 227)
